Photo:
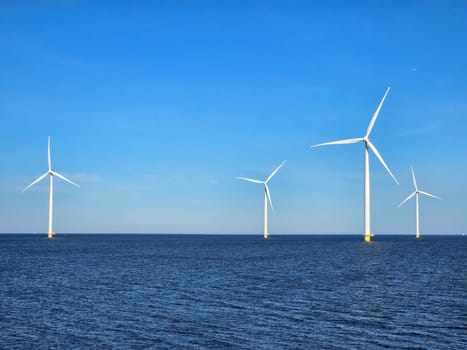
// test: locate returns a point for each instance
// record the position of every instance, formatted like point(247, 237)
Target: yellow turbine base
point(266, 235)
point(367, 237)
point(417, 236)
point(50, 235)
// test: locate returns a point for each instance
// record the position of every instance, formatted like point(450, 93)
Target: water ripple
point(239, 292)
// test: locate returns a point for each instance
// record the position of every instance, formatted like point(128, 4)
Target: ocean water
point(238, 292)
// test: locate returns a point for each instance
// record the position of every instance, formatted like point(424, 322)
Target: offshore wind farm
point(162, 111)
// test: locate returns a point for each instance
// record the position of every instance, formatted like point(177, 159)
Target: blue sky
point(154, 108)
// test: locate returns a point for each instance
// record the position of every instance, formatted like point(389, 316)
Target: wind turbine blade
point(250, 180)
point(375, 151)
point(429, 194)
point(340, 142)
point(373, 120)
point(413, 178)
point(48, 153)
point(275, 171)
point(37, 180)
point(405, 200)
point(268, 194)
point(63, 178)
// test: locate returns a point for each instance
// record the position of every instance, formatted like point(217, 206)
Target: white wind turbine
point(416, 193)
point(52, 173)
point(267, 196)
point(368, 145)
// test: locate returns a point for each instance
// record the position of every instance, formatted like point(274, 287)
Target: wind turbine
point(52, 173)
point(368, 145)
point(416, 193)
point(267, 196)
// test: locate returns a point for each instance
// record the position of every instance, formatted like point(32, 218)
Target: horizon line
point(228, 234)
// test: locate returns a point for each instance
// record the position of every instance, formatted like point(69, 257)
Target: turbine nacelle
point(265, 182)
point(50, 172)
point(366, 138)
point(417, 191)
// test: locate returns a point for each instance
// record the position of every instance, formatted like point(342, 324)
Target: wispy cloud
point(429, 128)
point(87, 177)
point(164, 179)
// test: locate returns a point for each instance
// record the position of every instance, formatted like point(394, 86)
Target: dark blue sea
point(238, 292)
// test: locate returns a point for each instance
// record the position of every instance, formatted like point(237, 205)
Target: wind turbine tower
point(267, 196)
point(368, 145)
point(51, 173)
point(416, 193)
